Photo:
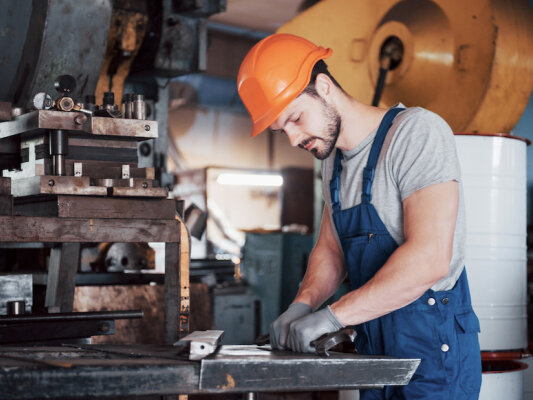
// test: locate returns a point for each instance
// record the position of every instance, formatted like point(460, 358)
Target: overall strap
point(334, 183)
point(373, 157)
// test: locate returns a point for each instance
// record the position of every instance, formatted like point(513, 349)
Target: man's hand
point(306, 329)
point(280, 327)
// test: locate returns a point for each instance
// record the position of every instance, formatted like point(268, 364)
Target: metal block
point(126, 172)
point(140, 188)
point(256, 369)
point(200, 343)
point(71, 121)
point(64, 263)
point(138, 128)
point(16, 287)
point(49, 184)
point(81, 185)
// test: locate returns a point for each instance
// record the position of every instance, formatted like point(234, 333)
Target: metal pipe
point(250, 396)
point(76, 316)
point(16, 307)
point(128, 108)
point(138, 107)
point(59, 165)
point(58, 142)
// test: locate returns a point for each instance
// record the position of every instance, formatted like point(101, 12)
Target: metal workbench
point(72, 371)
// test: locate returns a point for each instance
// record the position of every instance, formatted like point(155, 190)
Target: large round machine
point(472, 63)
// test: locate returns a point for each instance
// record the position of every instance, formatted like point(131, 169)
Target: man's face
point(311, 124)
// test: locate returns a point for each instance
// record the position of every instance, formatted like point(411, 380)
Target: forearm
point(325, 272)
point(409, 272)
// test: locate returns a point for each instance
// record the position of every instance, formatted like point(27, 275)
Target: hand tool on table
point(325, 343)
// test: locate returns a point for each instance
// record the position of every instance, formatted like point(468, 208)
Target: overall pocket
point(355, 247)
point(469, 362)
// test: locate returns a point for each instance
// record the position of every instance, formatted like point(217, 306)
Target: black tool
point(262, 340)
point(342, 340)
point(65, 84)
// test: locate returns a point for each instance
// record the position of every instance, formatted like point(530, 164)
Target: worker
point(393, 222)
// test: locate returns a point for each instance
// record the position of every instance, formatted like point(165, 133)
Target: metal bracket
point(200, 343)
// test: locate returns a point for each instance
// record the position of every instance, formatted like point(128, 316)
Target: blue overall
point(440, 328)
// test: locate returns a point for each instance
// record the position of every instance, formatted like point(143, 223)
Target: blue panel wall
point(524, 128)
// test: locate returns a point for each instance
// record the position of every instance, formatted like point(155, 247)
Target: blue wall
point(524, 128)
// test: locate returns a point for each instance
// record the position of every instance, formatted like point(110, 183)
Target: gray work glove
point(279, 329)
point(306, 329)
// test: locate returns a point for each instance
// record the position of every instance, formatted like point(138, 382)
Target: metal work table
point(133, 370)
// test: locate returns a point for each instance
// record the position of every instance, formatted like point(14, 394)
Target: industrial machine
point(469, 63)
point(83, 153)
point(83, 158)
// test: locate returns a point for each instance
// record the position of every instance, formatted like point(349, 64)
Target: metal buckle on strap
point(368, 177)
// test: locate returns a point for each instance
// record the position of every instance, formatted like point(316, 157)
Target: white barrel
point(504, 380)
point(494, 185)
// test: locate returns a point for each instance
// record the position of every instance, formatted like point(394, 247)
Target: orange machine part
point(470, 62)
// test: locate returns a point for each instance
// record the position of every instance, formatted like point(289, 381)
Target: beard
point(326, 143)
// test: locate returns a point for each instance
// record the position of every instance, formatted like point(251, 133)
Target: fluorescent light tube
point(243, 179)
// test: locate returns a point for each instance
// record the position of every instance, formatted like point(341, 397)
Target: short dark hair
point(319, 68)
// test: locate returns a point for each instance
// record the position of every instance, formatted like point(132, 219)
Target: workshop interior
point(147, 242)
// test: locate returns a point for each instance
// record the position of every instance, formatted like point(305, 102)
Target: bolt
point(105, 327)
point(145, 185)
point(145, 149)
point(80, 119)
point(51, 182)
point(147, 128)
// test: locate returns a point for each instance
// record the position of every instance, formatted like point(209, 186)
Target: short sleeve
point(422, 152)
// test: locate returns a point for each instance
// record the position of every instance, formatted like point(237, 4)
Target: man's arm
point(325, 270)
point(430, 215)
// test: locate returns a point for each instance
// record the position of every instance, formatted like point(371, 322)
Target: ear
point(323, 85)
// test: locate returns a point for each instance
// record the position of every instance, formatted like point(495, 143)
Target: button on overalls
point(440, 328)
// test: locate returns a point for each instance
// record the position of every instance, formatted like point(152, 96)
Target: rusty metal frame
point(77, 230)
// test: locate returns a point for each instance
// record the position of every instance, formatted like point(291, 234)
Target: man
point(393, 222)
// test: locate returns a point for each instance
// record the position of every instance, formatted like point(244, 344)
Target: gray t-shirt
point(419, 151)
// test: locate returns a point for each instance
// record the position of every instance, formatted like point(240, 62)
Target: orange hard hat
point(273, 73)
